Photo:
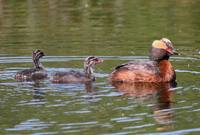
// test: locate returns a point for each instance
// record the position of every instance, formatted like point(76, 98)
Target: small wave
point(187, 71)
point(25, 59)
point(178, 132)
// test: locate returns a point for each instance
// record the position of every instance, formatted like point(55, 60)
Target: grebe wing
point(69, 73)
point(147, 66)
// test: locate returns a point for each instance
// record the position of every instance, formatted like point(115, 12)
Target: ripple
point(25, 59)
point(118, 133)
point(125, 108)
point(78, 112)
point(141, 114)
point(196, 110)
point(178, 132)
point(79, 125)
point(140, 126)
point(32, 124)
point(32, 102)
point(126, 119)
point(187, 71)
point(180, 108)
point(45, 133)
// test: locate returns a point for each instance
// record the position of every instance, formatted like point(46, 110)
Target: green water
point(115, 30)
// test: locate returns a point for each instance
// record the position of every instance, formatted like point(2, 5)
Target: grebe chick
point(158, 69)
point(78, 77)
point(36, 73)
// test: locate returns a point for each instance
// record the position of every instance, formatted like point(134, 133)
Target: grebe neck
point(88, 70)
point(37, 64)
point(167, 72)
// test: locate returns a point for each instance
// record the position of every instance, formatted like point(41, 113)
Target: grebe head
point(162, 49)
point(37, 54)
point(89, 64)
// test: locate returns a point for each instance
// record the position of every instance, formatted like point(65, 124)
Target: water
point(115, 30)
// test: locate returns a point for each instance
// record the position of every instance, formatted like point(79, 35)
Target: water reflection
point(163, 98)
point(38, 91)
point(69, 30)
point(89, 87)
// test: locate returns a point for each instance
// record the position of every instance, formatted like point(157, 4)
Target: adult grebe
point(159, 69)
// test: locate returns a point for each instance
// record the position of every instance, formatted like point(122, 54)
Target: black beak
point(176, 53)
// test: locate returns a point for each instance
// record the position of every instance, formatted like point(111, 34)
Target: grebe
point(159, 69)
point(78, 77)
point(36, 73)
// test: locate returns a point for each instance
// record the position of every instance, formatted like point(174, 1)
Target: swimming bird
point(76, 76)
point(158, 69)
point(36, 73)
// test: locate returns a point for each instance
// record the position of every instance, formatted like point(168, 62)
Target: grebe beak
point(175, 52)
point(172, 52)
point(99, 61)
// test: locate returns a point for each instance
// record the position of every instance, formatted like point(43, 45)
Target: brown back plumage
point(76, 76)
point(35, 73)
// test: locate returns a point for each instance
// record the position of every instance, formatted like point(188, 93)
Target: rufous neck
point(167, 73)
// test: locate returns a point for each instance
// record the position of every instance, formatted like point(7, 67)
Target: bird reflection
point(161, 110)
point(89, 87)
point(38, 92)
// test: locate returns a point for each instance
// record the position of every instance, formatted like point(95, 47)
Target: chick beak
point(99, 61)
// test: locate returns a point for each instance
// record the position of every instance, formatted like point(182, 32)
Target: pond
point(115, 30)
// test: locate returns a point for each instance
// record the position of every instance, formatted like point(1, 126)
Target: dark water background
point(117, 31)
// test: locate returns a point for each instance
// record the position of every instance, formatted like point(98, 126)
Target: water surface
point(117, 31)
